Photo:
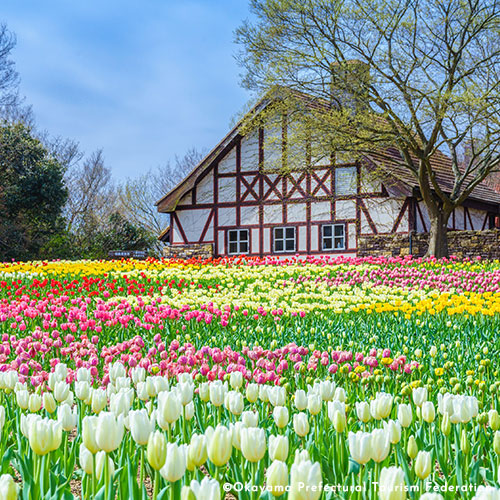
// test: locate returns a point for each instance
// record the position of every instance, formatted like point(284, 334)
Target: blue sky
point(144, 80)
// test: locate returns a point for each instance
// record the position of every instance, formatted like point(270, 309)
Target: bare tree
point(420, 77)
point(91, 193)
point(9, 77)
point(137, 197)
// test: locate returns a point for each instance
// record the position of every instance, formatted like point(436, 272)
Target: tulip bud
point(445, 424)
point(141, 426)
point(277, 478)
point(363, 411)
point(109, 431)
point(67, 417)
point(44, 436)
point(252, 392)
point(169, 409)
point(49, 403)
point(360, 446)
point(300, 424)
point(339, 422)
point(394, 430)
point(392, 484)
point(405, 415)
point(423, 464)
point(314, 404)
point(22, 398)
point(464, 443)
point(35, 403)
point(99, 400)
point(234, 402)
point(219, 445)
point(197, 450)
point(189, 411)
point(381, 406)
point(187, 493)
point(89, 424)
point(412, 448)
point(207, 489)
point(494, 420)
point(496, 443)
point(250, 419)
point(419, 395)
point(236, 380)
point(2, 418)
point(86, 460)
point(428, 412)
point(61, 391)
point(381, 445)
point(217, 393)
point(280, 415)
point(99, 465)
point(82, 390)
point(253, 443)
point(305, 477)
point(156, 450)
point(278, 448)
point(300, 400)
point(175, 462)
point(8, 488)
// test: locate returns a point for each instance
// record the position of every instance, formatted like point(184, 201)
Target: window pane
point(244, 235)
point(233, 248)
point(278, 245)
point(327, 230)
point(233, 235)
point(290, 232)
point(243, 247)
point(278, 233)
point(339, 230)
point(327, 244)
point(345, 180)
point(290, 245)
point(339, 242)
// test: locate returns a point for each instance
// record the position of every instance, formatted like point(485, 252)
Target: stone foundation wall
point(485, 244)
point(202, 251)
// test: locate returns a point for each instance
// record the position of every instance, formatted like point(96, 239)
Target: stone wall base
point(485, 244)
point(201, 251)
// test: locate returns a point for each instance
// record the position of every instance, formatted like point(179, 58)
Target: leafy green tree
point(32, 194)
point(421, 76)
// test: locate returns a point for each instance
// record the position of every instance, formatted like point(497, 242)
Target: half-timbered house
point(235, 202)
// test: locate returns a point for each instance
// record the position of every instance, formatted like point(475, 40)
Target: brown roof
point(390, 162)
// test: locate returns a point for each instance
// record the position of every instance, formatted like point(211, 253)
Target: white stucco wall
point(193, 221)
point(273, 214)
point(249, 215)
point(321, 211)
point(250, 151)
point(227, 216)
point(228, 163)
point(205, 189)
point(227, 189)
point(385, 212)
point(296, 212)
point(345, 209)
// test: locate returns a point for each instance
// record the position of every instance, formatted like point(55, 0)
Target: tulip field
point(300, 379)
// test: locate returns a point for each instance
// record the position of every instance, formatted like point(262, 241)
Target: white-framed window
point(333, 237)
point(346, 181)
point(284, 239)
point(238, 241)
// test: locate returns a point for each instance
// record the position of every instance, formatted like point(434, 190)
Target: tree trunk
point(438, 235)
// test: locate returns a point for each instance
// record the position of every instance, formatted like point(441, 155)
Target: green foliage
point(32, 194)
point(95, 239)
